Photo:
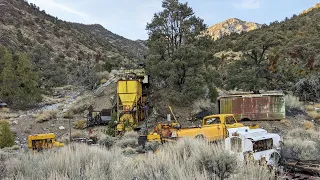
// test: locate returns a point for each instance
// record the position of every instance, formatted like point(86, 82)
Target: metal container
point(250, 106)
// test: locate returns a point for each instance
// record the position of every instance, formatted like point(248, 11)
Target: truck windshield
point(262, 145)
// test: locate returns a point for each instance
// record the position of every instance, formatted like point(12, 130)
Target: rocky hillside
point(63, 46)
point(229, 26)
point(317, 6)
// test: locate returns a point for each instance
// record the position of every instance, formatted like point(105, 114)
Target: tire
point(199, 136)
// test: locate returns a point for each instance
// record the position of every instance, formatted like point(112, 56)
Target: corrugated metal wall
point(264, 107)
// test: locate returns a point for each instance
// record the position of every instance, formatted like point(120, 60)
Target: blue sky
point(128, 18)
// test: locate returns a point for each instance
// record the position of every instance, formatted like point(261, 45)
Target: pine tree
point(8, 80)
point(28, 80)
point(177, 51)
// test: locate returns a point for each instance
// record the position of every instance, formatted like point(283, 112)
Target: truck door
point(213, 129)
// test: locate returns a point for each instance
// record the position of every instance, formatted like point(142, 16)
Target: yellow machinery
point(131, 102)
point(43, 141)
point(213, 128)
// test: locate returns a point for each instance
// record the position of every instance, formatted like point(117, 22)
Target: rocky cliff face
point(229, 26)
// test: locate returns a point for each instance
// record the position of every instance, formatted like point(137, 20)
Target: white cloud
point(247, 4)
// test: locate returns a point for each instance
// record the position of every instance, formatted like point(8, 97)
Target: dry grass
point(77, 134)
point(46, 116)
point(314, 115)
point(285, 122)
point(4, 115)
point(80, 124)
point(293, 102)
point(50, 100)
point(317, 105)
point(307, 125)
point(4, 110)
point(309, 108)
point(186, 159)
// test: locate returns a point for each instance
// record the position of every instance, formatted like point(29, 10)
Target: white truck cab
point(256, 144)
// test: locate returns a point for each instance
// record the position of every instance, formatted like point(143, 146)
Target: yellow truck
point(213, 128)
point(39, 142)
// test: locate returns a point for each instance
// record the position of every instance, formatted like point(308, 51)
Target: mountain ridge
point(232, 25)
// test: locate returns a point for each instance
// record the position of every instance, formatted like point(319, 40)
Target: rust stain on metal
point(268, 106)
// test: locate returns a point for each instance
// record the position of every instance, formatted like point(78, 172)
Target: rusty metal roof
point(251, 94)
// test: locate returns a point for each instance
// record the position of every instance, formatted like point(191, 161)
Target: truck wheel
point(199, 136)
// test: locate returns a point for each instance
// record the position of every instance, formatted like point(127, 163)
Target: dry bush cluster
point(293, 102)
point(186, 159)
point(68, 114)
point(46, 116)
point(80, 124)
point(6, 114)
point(295, 149)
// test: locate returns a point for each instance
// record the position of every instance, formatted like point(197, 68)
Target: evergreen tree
point(176, 51)
point(28, 81)
point(6, 136)
point(8, 79)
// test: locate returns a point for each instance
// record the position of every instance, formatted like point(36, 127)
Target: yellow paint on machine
point(129, 91)
point(43, 141)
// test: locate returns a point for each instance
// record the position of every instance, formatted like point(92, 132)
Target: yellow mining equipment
point(131, 102)
point(39, 142)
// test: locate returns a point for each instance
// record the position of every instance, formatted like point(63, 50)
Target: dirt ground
point(24, 123)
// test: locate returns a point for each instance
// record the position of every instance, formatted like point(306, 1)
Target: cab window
point(215, 120)
point(230, 120)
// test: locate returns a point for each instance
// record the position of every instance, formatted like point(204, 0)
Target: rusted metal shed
point(252, 106)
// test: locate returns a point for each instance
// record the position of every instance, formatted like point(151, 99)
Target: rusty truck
point(253, 106)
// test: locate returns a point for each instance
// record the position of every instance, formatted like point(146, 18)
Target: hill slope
point(283, 55)
point(229, 26)
point(65, 46)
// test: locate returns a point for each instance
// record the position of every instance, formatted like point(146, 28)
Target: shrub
point(308, 125)
point(285, 122)
point(127, 142)
point(15, 147)
point(103, 75)
point(46, 116)
point(308, 88)
point(6, 136)
point(79, 107)
point(308, 150)
point(309, 108)
point(293, 102)
point(102, 81)
point(129, 151)
point(5, 110)
point(80, 124)
point(107, 141)
point(314, 115)
point(185, 159)
point(294, 149)
point(68, 114)
point(129, 139)
point(77, 134)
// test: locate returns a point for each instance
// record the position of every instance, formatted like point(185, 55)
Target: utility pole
point(69, 130)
